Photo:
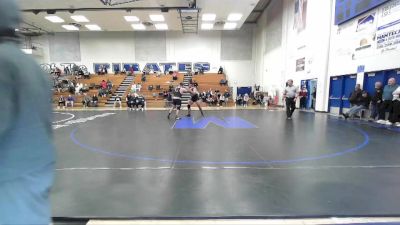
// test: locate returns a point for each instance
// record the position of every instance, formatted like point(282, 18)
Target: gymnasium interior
point(245, 158)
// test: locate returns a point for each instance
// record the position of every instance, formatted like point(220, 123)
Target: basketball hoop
point(116, 2)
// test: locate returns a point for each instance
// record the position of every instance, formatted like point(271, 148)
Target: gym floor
point(232, 163)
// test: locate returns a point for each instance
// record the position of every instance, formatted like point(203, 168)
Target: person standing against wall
point(376, 101)
point(26, 150)
point(387, 105)
point(290, 95)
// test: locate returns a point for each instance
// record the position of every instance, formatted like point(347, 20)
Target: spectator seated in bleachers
point(221, 99)
point(84, 88)
point(175, 76)
point(227, 95)
point(220, 70)
point(70, 101)
point(143, 77)
point(61, 102)
point(109, 85)
point(86, 100)
point(95, 101)
point(239, 100)
point(133, 88)
point(223, 82)
point(103, 93)
point(118, 100)
point(130, 101)
point(131, 71)
point(358, 104)
point(209, 100)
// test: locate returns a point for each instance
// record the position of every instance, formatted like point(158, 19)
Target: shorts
point(195, 98)
point(177, 103)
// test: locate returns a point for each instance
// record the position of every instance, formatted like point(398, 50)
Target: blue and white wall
point(280, 45)
point(329, 50)
point(231, 49)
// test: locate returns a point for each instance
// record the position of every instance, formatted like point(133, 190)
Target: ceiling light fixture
point(207, 26)
point(157, 18)
point(235, 17)
point(209, 17)
point(70, 27)
point(80, 19)
point(54, 19)
point(161, 26)
point(131, 18)
point(230, 26)
point(138, 26)
point(93, 27)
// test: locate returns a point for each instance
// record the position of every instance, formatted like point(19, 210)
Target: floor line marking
point(236, 168)
point(64, 120)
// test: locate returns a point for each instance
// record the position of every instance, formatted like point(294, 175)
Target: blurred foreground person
point(26, 149)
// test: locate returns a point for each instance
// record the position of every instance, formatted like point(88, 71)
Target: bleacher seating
point(154, 98)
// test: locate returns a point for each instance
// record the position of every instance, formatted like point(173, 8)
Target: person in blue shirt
point(387, 105)
point(26, 150)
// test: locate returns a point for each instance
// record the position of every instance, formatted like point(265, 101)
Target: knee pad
point(188, 106)
point(178, 107)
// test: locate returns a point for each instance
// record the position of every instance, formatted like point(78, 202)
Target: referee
point(290, 96)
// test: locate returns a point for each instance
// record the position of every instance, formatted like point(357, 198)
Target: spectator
point(303, 97)
point(396, 108)
point(140, 101)
point(221, 100)
point(103, 84)
point(130, 101)
point(27, 154)
point(220, 70)
point(131, 71)
point(133, 87)
point(227, 95)
point(61, 102)
point(355, 96)
point(105, 70)
point(70, 101)
point(86, 100)
point(109, 85)
point(118, 100)
point(246, 99)
point(239, 100)
point(95, 100)
point(138, 87)
point(223, 82)
point(314, 97)
point(175, 76)
point(376, 101)
point(66, 70)
point(387, 105)
point(360, 104)
point(209, 100)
